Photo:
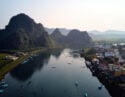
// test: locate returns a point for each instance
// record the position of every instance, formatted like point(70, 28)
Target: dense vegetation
point(74, 39)
point(22, 33)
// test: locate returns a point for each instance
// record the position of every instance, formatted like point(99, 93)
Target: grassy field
point(6, 68)
point(2, 55)
point(2, 61)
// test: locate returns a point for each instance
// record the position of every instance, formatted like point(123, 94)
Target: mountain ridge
point(22, 32)
point(107, 35)
point(74, 39)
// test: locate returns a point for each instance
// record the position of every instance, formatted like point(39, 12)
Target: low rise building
point(109, 53)
point(10, 57)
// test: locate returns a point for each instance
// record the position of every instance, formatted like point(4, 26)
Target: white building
point(10, 57)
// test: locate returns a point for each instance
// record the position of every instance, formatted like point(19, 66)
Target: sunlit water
point(53, 74)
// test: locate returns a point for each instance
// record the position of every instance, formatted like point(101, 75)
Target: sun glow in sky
point(82, 14)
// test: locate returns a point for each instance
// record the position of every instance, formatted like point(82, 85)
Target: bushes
point(89, 54)
point(4, 62)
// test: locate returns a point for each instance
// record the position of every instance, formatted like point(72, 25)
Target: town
point(106, 62)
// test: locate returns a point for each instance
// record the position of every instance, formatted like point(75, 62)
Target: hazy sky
point(82, 14)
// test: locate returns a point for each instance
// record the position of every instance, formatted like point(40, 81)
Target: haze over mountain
point(74, 39)
point(58, 37)
point(22, 32)
point(63, 31)
point(107, 35)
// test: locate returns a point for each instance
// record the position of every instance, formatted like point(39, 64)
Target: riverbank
point(9, 66)
point(42, 73)
point(115, 85)
point(108, 66)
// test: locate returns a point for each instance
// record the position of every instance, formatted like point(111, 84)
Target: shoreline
point(107, 66)
point(8, 67)
point(110, 83)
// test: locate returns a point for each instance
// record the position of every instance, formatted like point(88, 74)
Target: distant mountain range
point(74, 39)
point(109, 35)
point(64, 31)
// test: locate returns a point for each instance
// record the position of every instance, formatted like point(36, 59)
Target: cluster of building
point(11, 57)
point(15, 56)
point(109, 60)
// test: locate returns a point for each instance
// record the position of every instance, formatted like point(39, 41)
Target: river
point(57, 73)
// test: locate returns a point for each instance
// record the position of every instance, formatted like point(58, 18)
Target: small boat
point(76, 83)
point(5, 85)
point(24, 62)
point(31, 57)
point(1, 90)
point(100, 87)
point(53, 67)
point(35, 55)
point(85, 94)
point(2, 83)
point(29, 83)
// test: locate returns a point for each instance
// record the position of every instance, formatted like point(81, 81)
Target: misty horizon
point(81, 14)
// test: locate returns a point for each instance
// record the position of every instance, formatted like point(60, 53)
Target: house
point(110, 66)
point(107, 46)
point(99, 55)
point(18, 54)
point(118, 70)
point(123, 71)
point(117, 73)
point(10, 57)
point(95, 61)
point(109, 53)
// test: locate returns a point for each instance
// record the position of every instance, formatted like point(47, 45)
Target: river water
point(57, 73)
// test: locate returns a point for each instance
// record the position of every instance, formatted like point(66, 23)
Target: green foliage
point(22, 33)
point(2, 61)
point(10, 65)
point(2, 55)
point(91, 51)
point(88, 53)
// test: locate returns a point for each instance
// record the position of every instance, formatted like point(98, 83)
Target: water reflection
point(24, 71)
point(113, 90)
point(56, 52)
point(37, 78)
point(75, 54)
